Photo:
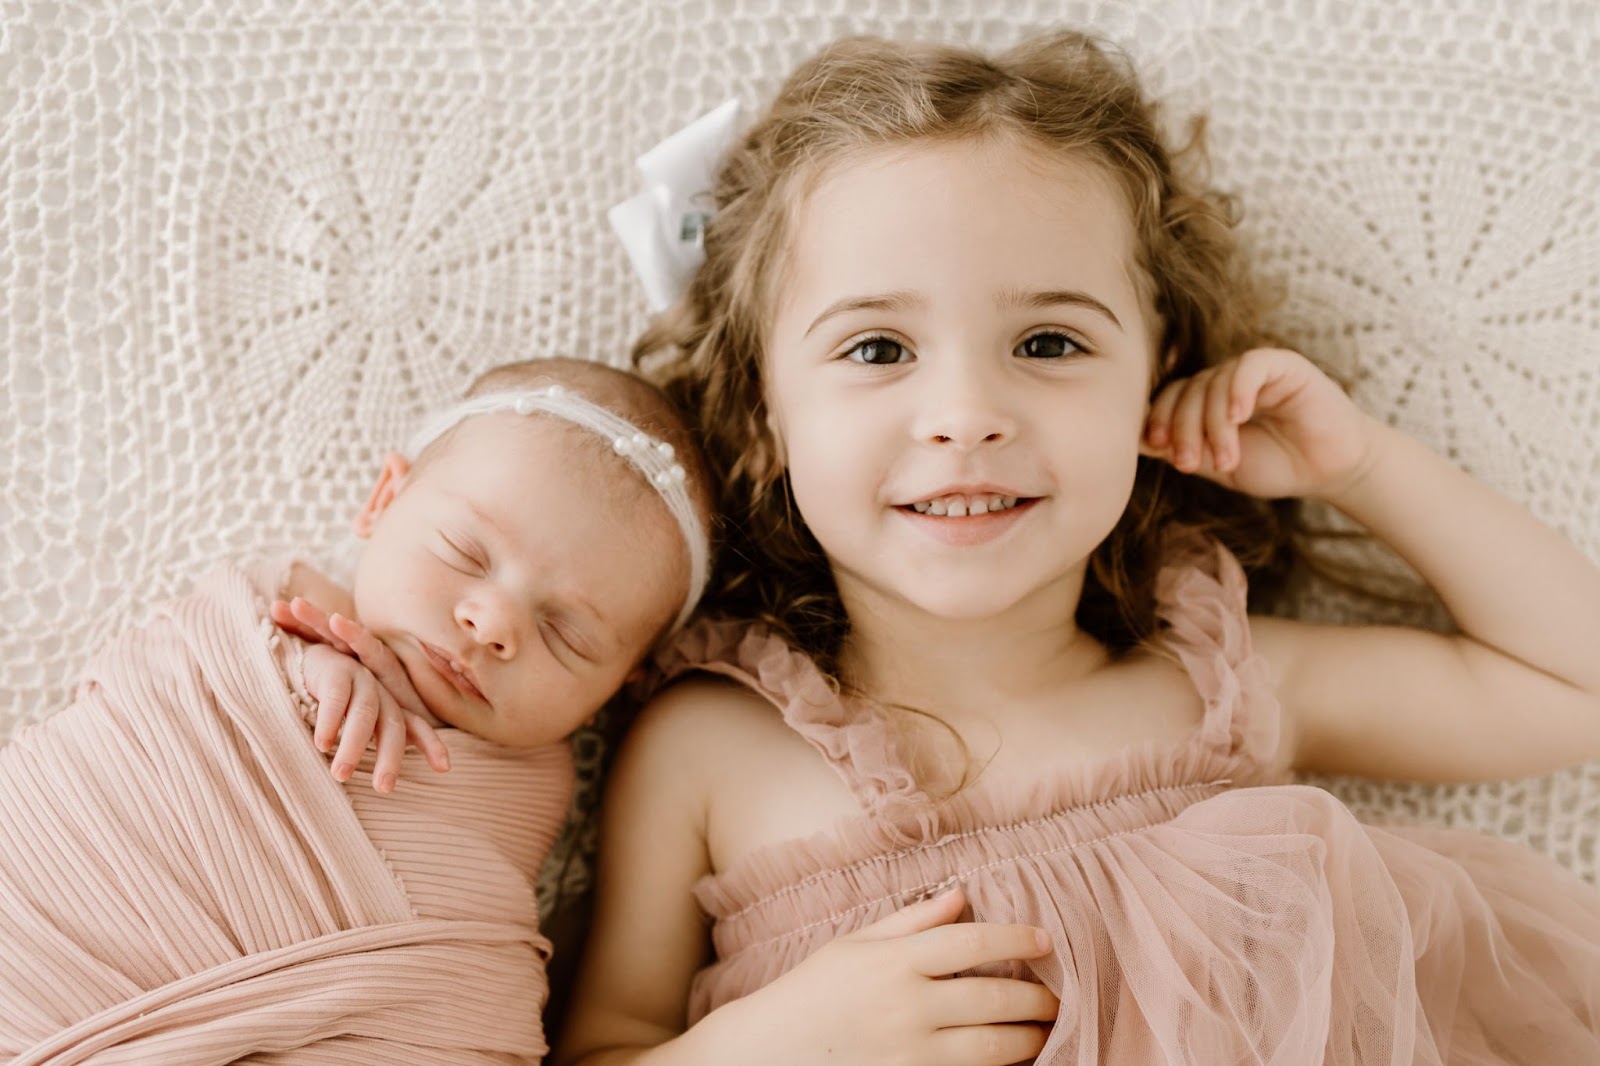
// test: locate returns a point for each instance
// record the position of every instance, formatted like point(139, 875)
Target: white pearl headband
point(652, 458)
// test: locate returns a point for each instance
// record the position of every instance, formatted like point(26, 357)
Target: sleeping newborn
point(183, 881)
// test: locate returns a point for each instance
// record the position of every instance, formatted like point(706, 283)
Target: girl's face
point(958, 371)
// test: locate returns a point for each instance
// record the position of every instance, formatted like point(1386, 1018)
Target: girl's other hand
point(373, 701)
point(884, 995)
point(1267, 423)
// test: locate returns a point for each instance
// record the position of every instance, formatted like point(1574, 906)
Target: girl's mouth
point(963, 505)
point(956, 521)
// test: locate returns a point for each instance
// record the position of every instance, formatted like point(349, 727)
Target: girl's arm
point(1515, 692)
point(648, 938)
point(878, 996)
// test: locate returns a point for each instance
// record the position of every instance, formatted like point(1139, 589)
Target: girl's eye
point(1049, 345)
point(877, 351)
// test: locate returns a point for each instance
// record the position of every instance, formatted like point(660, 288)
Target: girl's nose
point(964, 406)
point(490, 621)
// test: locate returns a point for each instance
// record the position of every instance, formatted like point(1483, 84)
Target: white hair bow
point(661, 228)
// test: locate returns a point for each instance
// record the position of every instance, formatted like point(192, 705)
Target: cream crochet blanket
point(242, 245)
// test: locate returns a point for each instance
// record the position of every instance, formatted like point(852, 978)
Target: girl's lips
point(968, 530)
point(460, 680)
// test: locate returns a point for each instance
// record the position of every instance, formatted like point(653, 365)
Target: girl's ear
point(1165, 362)
point(390, 479)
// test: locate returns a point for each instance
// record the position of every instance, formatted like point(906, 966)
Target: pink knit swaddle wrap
point(182, 881)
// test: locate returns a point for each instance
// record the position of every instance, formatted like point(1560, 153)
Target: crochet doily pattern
point(243, 245)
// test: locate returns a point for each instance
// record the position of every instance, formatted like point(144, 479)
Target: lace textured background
point(243, 245)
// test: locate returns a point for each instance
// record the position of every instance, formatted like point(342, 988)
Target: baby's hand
point(884, 994)
point(1267, 423)
point(363, 693)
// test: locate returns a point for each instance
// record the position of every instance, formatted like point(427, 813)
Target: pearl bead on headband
point(652, 458)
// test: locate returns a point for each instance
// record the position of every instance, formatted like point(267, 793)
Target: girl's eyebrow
point(904, 300)
point(1044, 298)
point(901, 300)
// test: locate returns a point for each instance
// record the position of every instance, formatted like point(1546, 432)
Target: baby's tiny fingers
point(315, 619)
point(420, 733)
point(359, 724)
point(283, 617)
point(331, 709)
point(391, 736)
point(377, 656)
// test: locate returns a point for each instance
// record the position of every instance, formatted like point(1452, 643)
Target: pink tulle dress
point(1203, 909)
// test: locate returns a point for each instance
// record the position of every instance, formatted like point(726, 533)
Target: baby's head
point(533, 545)
point(1059, 113)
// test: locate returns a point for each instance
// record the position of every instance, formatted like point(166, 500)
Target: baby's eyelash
point(468, 551)
point(555, 632)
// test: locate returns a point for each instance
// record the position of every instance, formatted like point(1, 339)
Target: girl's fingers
point(992, 1000)
point(1245, 391)
point(1222, 433)
point(991, 1045)
point(952, 948)
point(1158, 423)
point(915, 917)
point(1188, 424)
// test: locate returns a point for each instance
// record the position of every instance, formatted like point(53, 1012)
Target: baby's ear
point(390, 478)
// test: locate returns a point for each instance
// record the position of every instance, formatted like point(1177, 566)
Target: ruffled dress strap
point(1201, 596)
point(854, 737)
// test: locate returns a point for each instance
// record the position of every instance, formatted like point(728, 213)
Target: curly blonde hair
point(1064, 92)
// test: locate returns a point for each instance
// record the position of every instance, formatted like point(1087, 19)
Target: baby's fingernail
point(386, 783)
point(1043, 939)
point(342, 771)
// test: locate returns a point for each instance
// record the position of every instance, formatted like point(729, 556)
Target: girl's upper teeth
point(960, 506)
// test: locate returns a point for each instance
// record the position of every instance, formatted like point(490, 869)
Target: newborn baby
point(181, 880)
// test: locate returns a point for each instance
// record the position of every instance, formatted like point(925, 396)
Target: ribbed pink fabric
point(1203, 910)
point(183, 882)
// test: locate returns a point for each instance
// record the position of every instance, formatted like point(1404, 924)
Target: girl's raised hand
point(387, 710)
point(884, 995)
point(1267, 423)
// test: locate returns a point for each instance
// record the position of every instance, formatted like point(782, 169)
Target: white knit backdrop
point(242, 245)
